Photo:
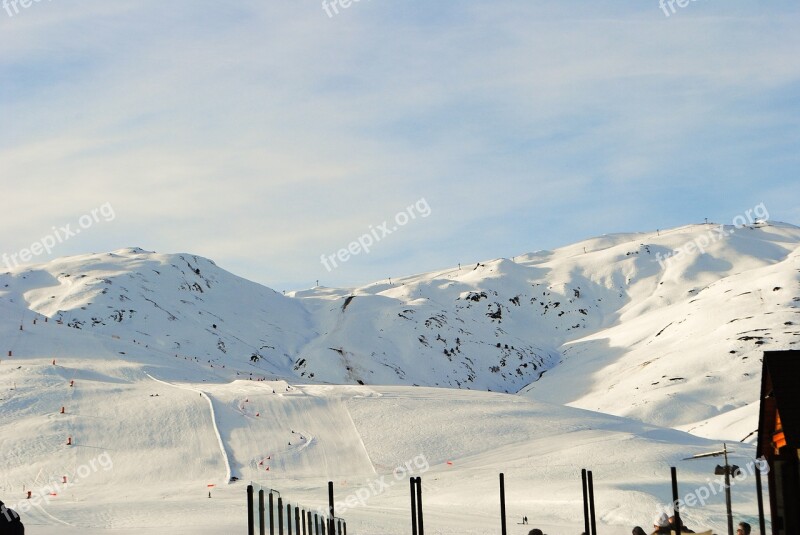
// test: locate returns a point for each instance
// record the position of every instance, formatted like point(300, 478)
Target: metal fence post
point(419, 506)
point(586, 528)
point(503, 504)
point(251, 528)
point(271, 514)
point(261, 524)
point(280, 515)
point(591, 502)
point(413, 483)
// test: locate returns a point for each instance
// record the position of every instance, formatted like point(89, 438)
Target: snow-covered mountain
point(611, 324)
point(151, 342)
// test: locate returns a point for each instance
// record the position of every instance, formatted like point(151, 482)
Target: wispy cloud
point(263, 135)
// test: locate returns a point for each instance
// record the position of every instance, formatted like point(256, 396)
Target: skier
point(10, 522)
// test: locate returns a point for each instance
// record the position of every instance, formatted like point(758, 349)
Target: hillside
point(605, 324)
point(184, 375)
point(147, 449)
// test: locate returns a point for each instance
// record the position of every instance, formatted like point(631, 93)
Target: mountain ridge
point(556, 325)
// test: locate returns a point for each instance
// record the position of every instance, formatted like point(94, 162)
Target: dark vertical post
point(728, 489)
point(586, 528)
point(419, 506)
point(271, 514)
point(413, 482)
point(262, 525)
point(296, 520)
point(339, 531)
point(280, 515)
point(310, 525)
point(675, 501)
point(304, 522)
point(331, 513)
point(322, 522)
point(592, 519)
point(251, 528)
point(316, 524)
point(503, 505)
point(344, 526)
point(288, 519)
point(759, 493)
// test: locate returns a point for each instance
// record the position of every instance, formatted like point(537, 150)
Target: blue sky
point(266, 134)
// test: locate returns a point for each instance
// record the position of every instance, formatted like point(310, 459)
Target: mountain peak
point(613, 323)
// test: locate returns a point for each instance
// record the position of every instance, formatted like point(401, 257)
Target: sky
point(343, 143)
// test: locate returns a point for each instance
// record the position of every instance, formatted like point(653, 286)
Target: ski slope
point(176, 376)
point(155, 426)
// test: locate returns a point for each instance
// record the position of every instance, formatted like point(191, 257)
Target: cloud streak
point(265, 135)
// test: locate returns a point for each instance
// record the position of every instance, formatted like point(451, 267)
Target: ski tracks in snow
point(213, 422)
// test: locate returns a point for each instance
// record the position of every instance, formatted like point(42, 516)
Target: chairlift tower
point(725, 470)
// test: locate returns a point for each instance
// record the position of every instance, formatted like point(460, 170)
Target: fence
point(589, 516)
point(284, 518)
point(290, 519)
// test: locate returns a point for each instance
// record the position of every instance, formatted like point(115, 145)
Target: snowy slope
point(686, 348)
point(184, 375)
point(601, 324)
point(175, 304)
point(156, 448)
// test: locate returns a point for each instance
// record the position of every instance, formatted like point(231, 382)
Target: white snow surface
point(184, 375)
